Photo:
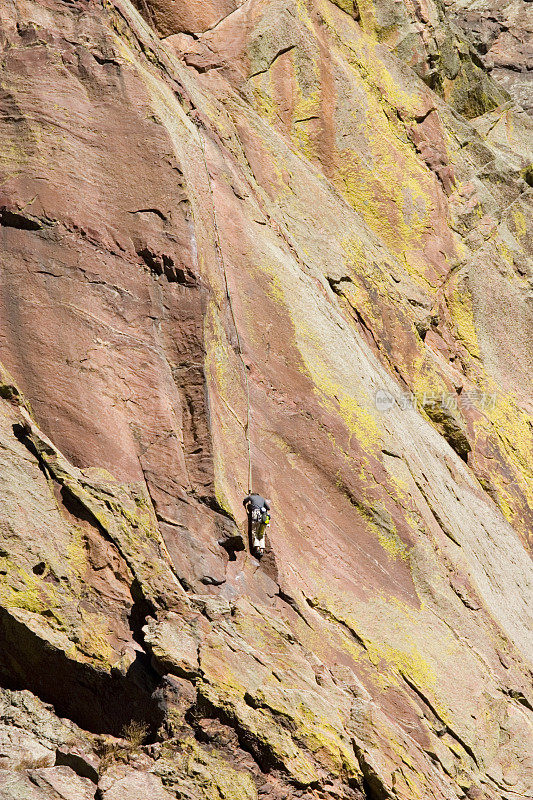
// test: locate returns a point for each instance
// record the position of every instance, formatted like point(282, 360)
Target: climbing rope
point(221, 263)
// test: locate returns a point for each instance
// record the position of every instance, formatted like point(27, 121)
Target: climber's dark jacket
point(253, 500)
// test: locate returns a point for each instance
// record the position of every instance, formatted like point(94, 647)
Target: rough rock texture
point(502, 34)
point(295, 235)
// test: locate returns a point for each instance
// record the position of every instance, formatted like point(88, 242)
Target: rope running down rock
point(220, 258)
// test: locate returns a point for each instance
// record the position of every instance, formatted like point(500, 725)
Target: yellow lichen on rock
point(206, 772)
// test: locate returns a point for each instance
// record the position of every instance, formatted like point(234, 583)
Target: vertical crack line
point(220, 259)
point(150, 16)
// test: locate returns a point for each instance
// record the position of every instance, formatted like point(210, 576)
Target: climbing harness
point(263, 525)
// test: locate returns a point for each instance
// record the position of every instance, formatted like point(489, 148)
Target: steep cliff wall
point(501, 32)
point(292, 237)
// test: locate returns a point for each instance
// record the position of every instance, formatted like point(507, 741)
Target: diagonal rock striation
point(286, 244)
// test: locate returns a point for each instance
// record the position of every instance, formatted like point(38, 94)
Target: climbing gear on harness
point(263, 525)
point(259, 520)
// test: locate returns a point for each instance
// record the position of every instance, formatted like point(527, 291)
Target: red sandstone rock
point(265, 237)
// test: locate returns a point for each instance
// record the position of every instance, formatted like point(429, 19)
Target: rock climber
point(258, 510)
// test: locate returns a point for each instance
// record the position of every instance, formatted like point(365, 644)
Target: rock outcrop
point(292, 238)
point(502, 35)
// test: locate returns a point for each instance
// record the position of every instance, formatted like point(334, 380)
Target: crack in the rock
point(287, 598)
point(328, 615)
point(445, 727)
point(90, 695)
point(103, 60)
point(13, 219)
point(306, 119)
point(373, 786)
point(81, 766)
point(519, 697)
point(436, 516)
point(155, 211)
point(204, 708)
point(449, 429)
point(220, 21)
point(164, 264)
point(273, 60)
point(335, 285)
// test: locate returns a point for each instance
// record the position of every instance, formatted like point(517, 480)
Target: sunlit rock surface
point(295, 235)
point(501, 32)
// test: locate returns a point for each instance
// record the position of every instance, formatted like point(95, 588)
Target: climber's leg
point(259, 539)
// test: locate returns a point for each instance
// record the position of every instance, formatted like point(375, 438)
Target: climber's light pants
point(259, 530)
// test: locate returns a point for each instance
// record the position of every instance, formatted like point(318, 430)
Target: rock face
point(502, 34)
point(292, 238)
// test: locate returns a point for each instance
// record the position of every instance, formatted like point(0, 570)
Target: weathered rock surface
point(502, 34)
point(297, 235)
